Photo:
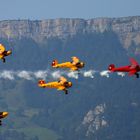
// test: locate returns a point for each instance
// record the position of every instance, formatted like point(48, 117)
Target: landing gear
point(137, 75)
point(78, 71)
point(0, 122)
point(3, 59)
point(66, 91)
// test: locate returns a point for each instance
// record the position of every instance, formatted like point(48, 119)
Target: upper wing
point(2, 48)
point(62, 79)
point(75, 59)
point(133, 62)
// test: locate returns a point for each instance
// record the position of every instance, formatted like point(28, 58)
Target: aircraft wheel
point(3, 60)
point(66, 91)
point(0, 122)
point(137, 75)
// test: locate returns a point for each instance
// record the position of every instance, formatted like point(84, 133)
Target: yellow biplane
point(4, 53)
point(76, 64)
point(62, 84)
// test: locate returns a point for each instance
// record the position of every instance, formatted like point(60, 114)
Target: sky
point(51, 9)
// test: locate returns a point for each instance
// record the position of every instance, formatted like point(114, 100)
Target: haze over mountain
point(96, 108)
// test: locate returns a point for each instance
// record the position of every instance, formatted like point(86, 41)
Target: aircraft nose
point(4, 114)
point(9, 52)
point(70, 84)
point(83, 64)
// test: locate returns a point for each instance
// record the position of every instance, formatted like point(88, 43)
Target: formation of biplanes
point(75, 65)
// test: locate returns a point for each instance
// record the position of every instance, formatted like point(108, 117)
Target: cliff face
point(128, 28)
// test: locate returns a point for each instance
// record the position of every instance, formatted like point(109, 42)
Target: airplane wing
point(74, 68)
point(2, 48)
point(132, 72)
point(62, 79)
point(75, 59)
point(61, 88)
point(133, 62)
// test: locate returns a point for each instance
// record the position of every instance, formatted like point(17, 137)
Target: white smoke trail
point(43, 74)
point(73, 75)
point(7, 75)
point(122, 74)
point(105, 73)
point(89, 73)
point(40, 74)
point(25, 75)
point(56, 74)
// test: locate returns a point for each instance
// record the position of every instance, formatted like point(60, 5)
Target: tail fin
point(41, 82)
point(111, 67)
point(54, 63)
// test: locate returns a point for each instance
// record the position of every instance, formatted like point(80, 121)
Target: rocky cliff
point(94, 120)
point(127, 28)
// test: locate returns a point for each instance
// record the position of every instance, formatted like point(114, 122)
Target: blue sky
point(50, 9)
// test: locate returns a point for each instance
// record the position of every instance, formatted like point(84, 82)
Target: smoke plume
point(43, 74)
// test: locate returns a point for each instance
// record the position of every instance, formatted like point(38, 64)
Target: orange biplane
point(76, 64)
point(62, 84)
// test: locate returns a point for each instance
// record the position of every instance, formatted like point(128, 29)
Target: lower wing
point(61, 88)
point(132, 72)
point(1, 56)
point(74, 68)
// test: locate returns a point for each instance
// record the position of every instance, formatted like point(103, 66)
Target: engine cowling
point(80, 65)
point(68, 84)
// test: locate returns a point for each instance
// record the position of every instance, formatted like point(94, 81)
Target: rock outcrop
point(94, 120)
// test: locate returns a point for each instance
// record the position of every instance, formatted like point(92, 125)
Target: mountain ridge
point(127, 28)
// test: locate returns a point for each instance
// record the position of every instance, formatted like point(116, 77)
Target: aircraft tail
point(41, 83)
point(54, 63)
point(111, 67)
